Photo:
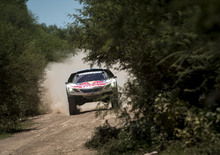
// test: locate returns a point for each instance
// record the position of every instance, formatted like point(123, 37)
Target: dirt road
point(53, 134)
point(57, 133)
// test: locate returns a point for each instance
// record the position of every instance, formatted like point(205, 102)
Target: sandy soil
point(53, 134)
point(58, 133)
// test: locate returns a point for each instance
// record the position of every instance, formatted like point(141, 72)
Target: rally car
point(91, 85)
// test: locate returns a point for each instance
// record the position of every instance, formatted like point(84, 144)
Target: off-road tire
point(72, 105)
point(114, 100)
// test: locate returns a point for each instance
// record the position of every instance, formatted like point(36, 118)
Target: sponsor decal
point(90, 84)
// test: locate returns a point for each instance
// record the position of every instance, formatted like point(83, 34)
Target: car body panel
point(91, 89)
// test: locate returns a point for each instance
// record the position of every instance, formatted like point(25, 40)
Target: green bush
point(25, 51)
point(171, 49)
point(110, 140)
point(102, 136)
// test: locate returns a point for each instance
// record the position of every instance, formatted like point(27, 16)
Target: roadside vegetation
point(26, 48)
point(171, 48)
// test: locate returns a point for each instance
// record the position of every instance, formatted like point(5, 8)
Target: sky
point(53, 12)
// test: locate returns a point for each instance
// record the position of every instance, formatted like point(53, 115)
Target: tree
point(26, 48)
point(171, 48)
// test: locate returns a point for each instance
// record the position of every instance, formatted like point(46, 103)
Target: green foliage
point(26, 48)
point(201, 149)
point(102, 136)
point(110, 140)
point(50, 45)
point(171, 48)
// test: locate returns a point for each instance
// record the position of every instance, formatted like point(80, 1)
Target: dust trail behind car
point(56, 74)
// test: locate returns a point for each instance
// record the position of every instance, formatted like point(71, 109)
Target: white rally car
point(91, 85)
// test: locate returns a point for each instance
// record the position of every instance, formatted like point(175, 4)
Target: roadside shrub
point(171, 48)
point(102, 136)
point(25, 51)
point(205, 148)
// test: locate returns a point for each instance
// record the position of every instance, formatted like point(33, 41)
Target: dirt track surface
point(58, 133)
point(53, 134)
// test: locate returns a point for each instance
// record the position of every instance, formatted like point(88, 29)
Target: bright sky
point(53, 12)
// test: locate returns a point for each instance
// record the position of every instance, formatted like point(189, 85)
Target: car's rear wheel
point(72, 105)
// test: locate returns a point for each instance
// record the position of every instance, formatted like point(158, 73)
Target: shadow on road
point(94, 110)
point(22, 130)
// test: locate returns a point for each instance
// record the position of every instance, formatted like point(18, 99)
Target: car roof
point(90, 70)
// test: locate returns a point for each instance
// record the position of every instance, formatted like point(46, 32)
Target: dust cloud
point(56, 74)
